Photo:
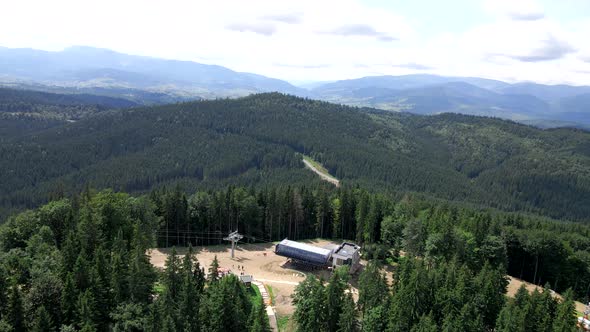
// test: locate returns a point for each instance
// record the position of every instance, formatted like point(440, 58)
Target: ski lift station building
point(345, 254)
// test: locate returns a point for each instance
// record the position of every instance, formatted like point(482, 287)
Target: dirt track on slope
point(325, 177)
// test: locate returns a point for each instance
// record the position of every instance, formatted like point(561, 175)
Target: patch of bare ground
point(515, 283)
point(258, 260)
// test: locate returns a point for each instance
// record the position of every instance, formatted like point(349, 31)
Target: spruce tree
point(141, 276)
point(68, 301)
point(511, 318)
point(565, 319)
point(154, 319)
point(3, 289)
point(119, 279)
point(42, 322)
point(375, 319)
point(5, 326)
point(348, 317)
point(310, 308)
point(102, 301)
point(258, 320)
point(81, 270)
point(88, 327)
point(491, 286)
point(335, 297)
point(188, 308)
point(172, 280)
point(372, 287)
point(213, 270)
point(168, 325)
point(414, 240)
point(425, 324)
point(86, 310)
point(14, 308)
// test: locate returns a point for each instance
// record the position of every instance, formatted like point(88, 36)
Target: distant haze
point(147, 80)
point(543, 41)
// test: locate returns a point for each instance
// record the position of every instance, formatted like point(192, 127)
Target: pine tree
point(425, 324)
point(565, 319)
point(3, 289)
point(413, 296)
point(188, 308)
point(335, 297)
point(310, 308)
point(141, 276)
point(348, 317)
point(154, 323)
point(14, 308)
point(469, 319)
point(372, 287)
point(362, 212)
point(86, 310)
point(258, 320)
point(88, 327)
point(375, 319)
point(5, 326)
point(211, 310)
point(511, 319)
point(81, 269)
point(119, 279)
point(491, 285)
point(42, 322)
point(414, 241)
point(68, 300)
point(70, 252)
point(213, 270)
point(102, 301)
point(168, 325)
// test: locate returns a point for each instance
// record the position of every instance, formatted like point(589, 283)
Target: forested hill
point(25, 111)
point(255, 140)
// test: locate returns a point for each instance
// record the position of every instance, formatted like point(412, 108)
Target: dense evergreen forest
point(23, 111)
point(80, 263)
point(257, 140)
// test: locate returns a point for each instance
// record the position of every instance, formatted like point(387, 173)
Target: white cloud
point(262, 28)
point(521, 10)
point(281, 38)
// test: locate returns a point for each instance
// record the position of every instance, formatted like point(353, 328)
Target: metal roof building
point(347, 254)
point(303, 252)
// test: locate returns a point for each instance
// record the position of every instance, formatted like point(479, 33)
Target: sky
point(324, 40)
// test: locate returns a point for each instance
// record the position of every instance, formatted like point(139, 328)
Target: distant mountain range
point(87, 67)
point(147, 80)
point(537, 104)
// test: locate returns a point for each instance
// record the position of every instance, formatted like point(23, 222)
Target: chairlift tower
point(234, 237)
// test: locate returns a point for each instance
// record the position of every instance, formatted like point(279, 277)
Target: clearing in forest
point(256, 259)
point(320, 170)
point(515, 283)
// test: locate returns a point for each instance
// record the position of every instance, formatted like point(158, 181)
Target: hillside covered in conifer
point(259, 141)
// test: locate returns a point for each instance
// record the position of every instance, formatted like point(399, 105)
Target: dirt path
point(270, 311)
point(325, 177)
point(292, 283)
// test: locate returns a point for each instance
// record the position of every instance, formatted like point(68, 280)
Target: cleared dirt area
point(324, 175)
point(515, 283)
point(258, 260)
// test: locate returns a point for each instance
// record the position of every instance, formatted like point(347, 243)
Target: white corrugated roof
point(306, 247)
